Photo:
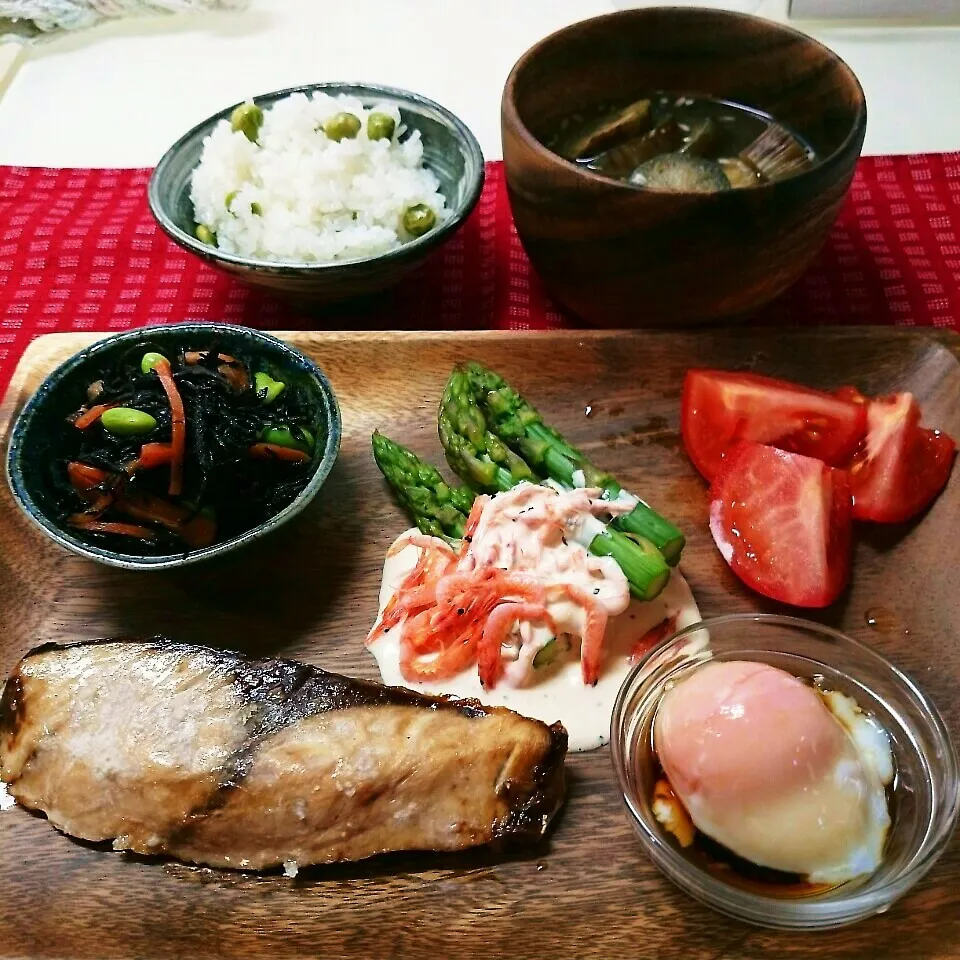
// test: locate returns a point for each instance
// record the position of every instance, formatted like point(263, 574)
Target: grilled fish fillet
point(182, 750)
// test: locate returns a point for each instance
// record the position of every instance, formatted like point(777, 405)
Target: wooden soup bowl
point(624, 256)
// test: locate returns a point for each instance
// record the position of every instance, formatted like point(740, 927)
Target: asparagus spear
point(477, 456)
point(521, 427)
point(483, 461)
point(437, 508)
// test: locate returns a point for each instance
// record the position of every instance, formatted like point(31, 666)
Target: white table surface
point(118, 95)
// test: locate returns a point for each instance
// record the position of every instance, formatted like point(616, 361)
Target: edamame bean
point(127, 422)
point(264, 382)
point(283, 437)
point(150, 360)
point(380, 126)
point(247, 118)
point(419, 219)
point(341, 126)
point(205, 234)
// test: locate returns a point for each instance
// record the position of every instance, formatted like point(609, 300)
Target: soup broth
point(681, 143)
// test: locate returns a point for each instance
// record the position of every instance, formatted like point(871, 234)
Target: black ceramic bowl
point(63, 390)
point(450, 150)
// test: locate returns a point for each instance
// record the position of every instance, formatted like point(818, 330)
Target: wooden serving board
point(310, 593)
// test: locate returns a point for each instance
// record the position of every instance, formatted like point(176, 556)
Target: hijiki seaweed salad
point(172, 453)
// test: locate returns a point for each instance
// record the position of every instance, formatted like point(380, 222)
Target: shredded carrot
point(193, 357)
point(83, 477)
point(101, 504)
point(90, 416)
point(272, 451)
point(230, 368)
point(145, 506)
point(194, 530)
point(84, 521)
point(199, 531)
point(178, 427)
point(152, 455)
point(235, 376)
point(89, 483)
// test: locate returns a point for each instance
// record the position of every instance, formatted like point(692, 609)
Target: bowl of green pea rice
point(325, 192)
point(161, 447)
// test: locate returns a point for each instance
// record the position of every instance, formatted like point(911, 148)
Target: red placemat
point(79, 251)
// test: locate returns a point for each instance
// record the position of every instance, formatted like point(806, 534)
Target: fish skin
point(191, 752)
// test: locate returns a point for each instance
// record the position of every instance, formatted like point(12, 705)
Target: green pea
point(419, 219)
point(247, 119)
point(264, 382)
point(283, 437)
point(256, 209)
point(230, 197)
point(205, 234)
point(127, 422)
point(380, 126)
point(341, 126)
point(150, 360)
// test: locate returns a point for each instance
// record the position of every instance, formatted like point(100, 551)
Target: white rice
point(318, 199)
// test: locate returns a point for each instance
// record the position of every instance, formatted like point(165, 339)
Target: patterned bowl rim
point(473, 170)
point(128, 561)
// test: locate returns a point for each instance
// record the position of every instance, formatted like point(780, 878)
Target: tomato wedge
point(901, 466)
point(783, 522)
point(721, 407)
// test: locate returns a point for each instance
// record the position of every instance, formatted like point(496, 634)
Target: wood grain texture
point(623, 257)
point(310, 593)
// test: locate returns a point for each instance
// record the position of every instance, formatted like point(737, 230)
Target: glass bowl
point(925, 799)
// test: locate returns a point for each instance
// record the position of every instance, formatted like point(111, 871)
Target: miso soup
point(683, 144)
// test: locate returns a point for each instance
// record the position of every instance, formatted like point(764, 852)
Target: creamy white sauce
point(556, 692)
